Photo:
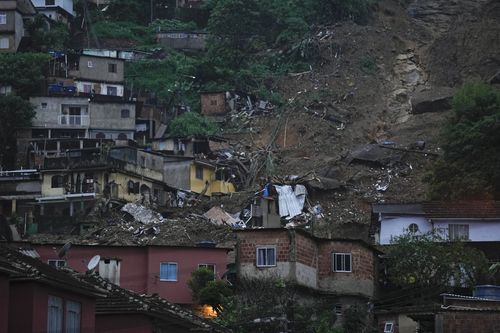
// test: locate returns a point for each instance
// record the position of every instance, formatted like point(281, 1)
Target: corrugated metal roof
point(30, 253)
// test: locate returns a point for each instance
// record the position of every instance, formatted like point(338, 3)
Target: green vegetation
point(429, 260)
point(15, 112)
point(469, 166)
point(207, 290)
point(191, 123)
point(47, 37)
point(25, 72)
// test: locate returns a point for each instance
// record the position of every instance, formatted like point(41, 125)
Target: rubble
point(142, 214)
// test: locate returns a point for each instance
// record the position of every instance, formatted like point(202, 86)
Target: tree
point(191, 123)
point(25, 72)
point(207, 290)
point(15, 112)
point(47, 36)
point(429, 260)
point(471, 138)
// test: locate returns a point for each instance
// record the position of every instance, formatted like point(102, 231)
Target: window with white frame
point(389, 327)
point(458, 231)
point(56, 263)
point(59, 313)
point(4, 42)
point(168, 271)
point(3, 18)
point(266, 256)
point(338, 309)
point(90, 64)
point(210, 267)
point(112, 91)
point(342, 262)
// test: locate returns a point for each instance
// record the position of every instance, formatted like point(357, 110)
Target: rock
point(324, 183)
point(373, 154)
point(434, 100)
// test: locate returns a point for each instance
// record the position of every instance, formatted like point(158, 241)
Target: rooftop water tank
point(487, 291)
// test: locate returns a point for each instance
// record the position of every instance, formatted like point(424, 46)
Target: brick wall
point(363, 259)
point(306, 250)
point(468, 321)
point(248, 242)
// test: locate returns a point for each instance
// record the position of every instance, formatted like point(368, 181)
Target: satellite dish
point(93, 262)
point(63, 250)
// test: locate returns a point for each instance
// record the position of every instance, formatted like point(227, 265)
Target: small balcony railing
point(70, 120)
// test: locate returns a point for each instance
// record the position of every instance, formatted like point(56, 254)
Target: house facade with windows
point(161, 270)
point(13, 14)
point(78, 117)
point(473, 221)
point(57, 10)
point(342, 268)
point(99, 75)
point(39, 298)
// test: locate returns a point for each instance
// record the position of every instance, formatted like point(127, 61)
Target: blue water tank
point(487, 291)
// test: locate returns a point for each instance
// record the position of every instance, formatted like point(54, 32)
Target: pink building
point(152, 269)
point(37, 298)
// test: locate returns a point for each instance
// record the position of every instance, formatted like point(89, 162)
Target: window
point(199, 172)
point(50, 2)
point(338, 309)
point(55, 315)
point(213, 102)
point(3, 18)
point(44, 105)
point(112, 68)
point(266, 256)
point(125, 113)
point(342, 262)
point(73, 317)
point(389, 327)
point(57, 181)
point(90, 64)
point(413, 228)
point(112, 91)
point(458, 231)
point(210, 267)
point(168, 271)
point(122, 136)
point(87, 88)
point(4, 43)
point(56, 263)
point(109, 269)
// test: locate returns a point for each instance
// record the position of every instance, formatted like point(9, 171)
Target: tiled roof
point(120, 300)
point(462, 209)
point(21, 267)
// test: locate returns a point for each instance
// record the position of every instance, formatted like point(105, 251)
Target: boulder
point(435, 99)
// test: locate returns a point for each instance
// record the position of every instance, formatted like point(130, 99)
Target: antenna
point(93, 262)
point(63, 250)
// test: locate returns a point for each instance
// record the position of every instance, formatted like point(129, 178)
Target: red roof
point(462, 209)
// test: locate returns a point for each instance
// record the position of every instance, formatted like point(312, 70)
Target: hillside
point(365, 79)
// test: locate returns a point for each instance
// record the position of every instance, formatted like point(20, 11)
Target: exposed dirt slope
point(359, 93)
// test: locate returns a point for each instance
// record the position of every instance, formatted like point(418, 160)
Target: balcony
point(77, 120)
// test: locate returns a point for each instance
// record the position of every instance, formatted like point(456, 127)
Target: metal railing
point(71, 120)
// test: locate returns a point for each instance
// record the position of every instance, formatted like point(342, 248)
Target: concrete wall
point(479, 231)
point(48, 110)
point(10, 25)
point(177, 174)
point(198, 185)
point(122, 179)
point(99, 70)
point(391, 227)
point(108, 116)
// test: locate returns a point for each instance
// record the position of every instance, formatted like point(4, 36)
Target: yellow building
point(206, 179)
